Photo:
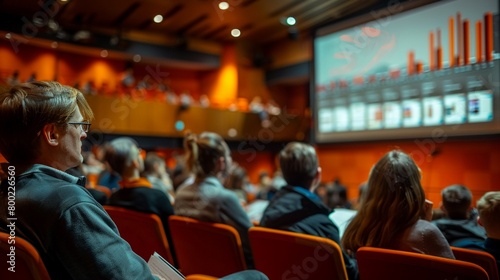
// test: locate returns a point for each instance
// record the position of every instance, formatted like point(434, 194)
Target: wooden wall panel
point(474, 162)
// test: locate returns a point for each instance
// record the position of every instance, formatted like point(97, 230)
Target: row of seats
point(215, 249)
point(208, 250)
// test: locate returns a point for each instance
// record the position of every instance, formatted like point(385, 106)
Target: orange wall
point(74, 68)
point(70, 68)
point(27, 60)
point(473, 162)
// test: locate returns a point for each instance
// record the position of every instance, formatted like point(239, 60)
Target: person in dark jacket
point(295, 207)
point(460, 221)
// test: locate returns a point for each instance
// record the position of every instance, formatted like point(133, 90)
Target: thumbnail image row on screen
point(459, 108)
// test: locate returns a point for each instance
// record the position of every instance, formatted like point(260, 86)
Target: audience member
point(42, 125)
point(204, 101)
point(256, 105)
point(272, 107)
point(391, 211)
point(209, 159)
point(358, 201)
point(31, 78)
point(265, 189)
point(89, 88)
point(321, 192)
point(237, 182)
point(14, 79)
point(155, 171)
point(458, 223)
point(278, 181)
point(185, 100)
point(337, 199)
point(107, 178)
point(338, 196)
point(489, 211)
point(181, 175)
point(128, 79)
point(136, 192)
point(295, 207)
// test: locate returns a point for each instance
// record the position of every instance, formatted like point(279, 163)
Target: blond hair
point(489, 211)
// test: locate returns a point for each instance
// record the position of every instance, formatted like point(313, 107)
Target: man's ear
point(316, 180)
point(317, 177)
point(50, 134)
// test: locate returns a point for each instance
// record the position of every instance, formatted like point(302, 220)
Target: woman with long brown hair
point(392, 210)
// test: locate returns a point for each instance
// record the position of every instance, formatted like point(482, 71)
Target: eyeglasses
point(84, 126)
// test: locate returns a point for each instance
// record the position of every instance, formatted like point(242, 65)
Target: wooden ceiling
point(260, 21)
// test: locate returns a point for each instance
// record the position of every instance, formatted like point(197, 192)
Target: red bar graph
point(488, 36)
point(439, 51)
point(479, 42)
point(411, 63)
point(461, 56)
point(459, 40)
point(431, 51)
point(451, 29)
point(466, 54)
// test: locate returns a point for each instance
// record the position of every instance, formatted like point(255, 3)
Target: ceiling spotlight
point(223, 5)
point(158, 18)
point(137, 58)
point(104, 53)
point(54, 45)
point(8, 36)
point(235, 32)
point(290, 21)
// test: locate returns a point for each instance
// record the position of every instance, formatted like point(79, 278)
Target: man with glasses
point(42, 125)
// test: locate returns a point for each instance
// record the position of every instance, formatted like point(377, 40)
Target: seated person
point(209, 159)
point(391, 211)
point(337, 195)
point(489, 211)
point(155, 171)
point(136, 192)
point(295, 207)
point(74, 236)
point(236, 182)
point(266, 189)
point(458, 223)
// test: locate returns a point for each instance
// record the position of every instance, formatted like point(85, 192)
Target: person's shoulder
point(427, 229)
point(424, 225)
